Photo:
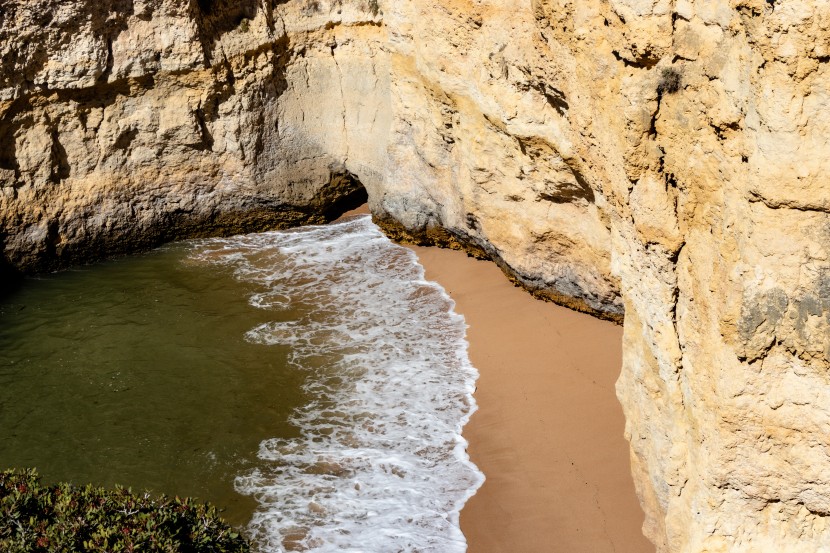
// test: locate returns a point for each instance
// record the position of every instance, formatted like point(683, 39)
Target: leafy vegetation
point(37, 518)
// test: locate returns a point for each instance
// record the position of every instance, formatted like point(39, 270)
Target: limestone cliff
point(661, 157)
point(127, 122)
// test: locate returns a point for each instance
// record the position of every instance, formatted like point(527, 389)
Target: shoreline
point(548, 433)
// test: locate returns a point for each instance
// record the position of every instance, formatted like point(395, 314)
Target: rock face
point(482, 146)
point(126, 122)
point(665, 159)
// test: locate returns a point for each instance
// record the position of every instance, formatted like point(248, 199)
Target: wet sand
point(548, 434)
point(549, 430)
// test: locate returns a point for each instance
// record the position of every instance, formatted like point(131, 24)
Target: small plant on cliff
point(35, 518)
point(311, 7)
point(374, 7)
point(244, 25)
point(670, 81)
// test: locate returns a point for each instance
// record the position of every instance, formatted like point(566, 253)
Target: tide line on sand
point(548, 434)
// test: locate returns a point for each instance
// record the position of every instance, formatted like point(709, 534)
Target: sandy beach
point(548, 433)
point(549, 430)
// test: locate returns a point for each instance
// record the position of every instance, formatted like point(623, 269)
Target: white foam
point(380, 465)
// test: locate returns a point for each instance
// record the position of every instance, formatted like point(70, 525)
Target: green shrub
point(244, 25)
point(66, 518)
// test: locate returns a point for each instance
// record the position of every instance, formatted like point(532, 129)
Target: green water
point(136, 372)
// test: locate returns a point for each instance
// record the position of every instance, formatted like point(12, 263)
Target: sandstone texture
point(124, 123)
point(665, 159)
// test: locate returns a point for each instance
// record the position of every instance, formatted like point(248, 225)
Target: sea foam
point(379, 464)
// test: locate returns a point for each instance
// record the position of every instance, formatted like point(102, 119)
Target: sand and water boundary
point(548, 434)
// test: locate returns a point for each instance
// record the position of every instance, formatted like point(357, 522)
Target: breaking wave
point(379, 464)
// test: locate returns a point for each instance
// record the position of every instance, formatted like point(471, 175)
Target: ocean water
point(311, 381)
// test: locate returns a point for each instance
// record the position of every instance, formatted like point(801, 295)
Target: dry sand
point(548, 434)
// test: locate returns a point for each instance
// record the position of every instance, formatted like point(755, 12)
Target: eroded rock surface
point(125, 123)
point(662, 158)
point(684, 142)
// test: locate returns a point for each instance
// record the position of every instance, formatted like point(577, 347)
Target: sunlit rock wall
point(686, 143)
point(125, 123)
point(665, 159)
